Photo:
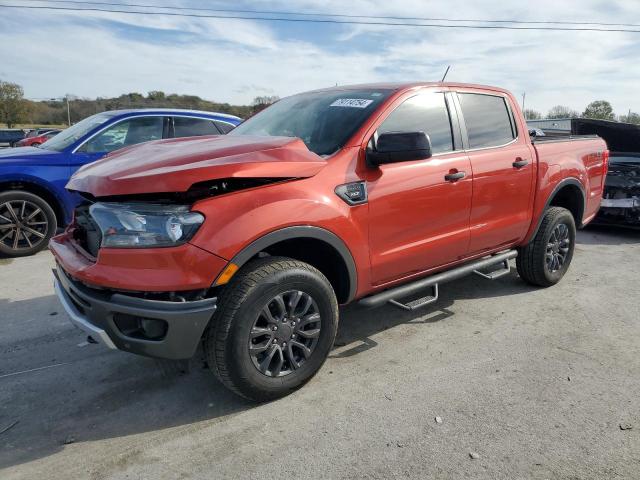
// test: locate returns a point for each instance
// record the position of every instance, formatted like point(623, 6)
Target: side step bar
point(390, 296)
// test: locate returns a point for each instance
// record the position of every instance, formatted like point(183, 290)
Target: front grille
point(86, 231)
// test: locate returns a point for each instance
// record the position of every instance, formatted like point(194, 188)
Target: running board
point(391, 295)
point(492, 275)
point(418, 303)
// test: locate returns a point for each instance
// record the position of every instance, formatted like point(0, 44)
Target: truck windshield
point(324, 120)
point(75, 132)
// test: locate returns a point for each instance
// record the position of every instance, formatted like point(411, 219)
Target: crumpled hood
point(174, 165)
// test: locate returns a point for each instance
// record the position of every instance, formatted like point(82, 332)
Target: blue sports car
point(33, 200)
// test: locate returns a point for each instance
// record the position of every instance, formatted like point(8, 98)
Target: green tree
point(530, 114)
point(631, 117)
point(260, 103)
point(155, 95)
point(561, 111)
point(12, 104)
point(600, 110)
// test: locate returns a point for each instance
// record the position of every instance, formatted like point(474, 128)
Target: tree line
point(599, 110)
point(15, 109)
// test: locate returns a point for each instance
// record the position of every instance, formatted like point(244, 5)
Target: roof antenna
point(445, 73)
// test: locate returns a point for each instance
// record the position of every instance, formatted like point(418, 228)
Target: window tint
point(129, 132)
point(323, 120)
point(224, 127)
point(193, 127)
point(423, 113)
point(487, 119)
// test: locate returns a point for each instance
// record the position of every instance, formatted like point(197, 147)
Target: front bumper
point(96, 312)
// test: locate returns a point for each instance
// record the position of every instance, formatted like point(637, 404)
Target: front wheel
point(27, 222)
point(275, 326)
point(546, 259)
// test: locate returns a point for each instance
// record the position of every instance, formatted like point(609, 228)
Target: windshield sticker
point(352, 103)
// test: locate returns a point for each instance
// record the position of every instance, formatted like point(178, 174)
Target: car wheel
point(546, 259)
point(275, 326)
point(36, 144)
point(27, 222)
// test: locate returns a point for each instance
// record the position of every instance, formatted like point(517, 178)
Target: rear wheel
point(275, 326)
point(546, 259)
point(27, 223)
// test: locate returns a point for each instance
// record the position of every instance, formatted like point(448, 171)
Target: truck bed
point(566, 157)
point(562, 138)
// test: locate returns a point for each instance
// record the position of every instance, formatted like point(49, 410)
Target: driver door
point(418, 218)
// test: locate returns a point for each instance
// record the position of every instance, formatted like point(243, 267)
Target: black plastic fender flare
point(296, 232)
point(563, 183)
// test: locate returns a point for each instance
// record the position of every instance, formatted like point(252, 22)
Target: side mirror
point(395, 147)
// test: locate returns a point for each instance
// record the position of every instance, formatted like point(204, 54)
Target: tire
point(35, 216)
point(545, 260)
point(35, 144)
point(240, 317)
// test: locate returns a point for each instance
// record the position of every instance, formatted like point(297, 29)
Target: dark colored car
point(621, 199)
point(33, 200)
point(10, 136)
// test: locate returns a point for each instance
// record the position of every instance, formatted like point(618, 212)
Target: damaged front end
point(621, 198)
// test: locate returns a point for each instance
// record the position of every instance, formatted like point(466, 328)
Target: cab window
point(487, 118)
point(425, 112)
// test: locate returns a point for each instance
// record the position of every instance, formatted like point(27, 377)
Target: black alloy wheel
point(285, 333)
point(558, 248)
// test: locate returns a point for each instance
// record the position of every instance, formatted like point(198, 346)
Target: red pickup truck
point(247, 243)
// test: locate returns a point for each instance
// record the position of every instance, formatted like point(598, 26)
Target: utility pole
point(68, 111)
point(524, 94)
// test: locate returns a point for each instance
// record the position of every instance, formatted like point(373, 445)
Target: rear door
point(419, 219)
point(503, 165)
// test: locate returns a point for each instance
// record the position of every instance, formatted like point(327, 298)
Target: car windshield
point(324, 120)
point(75, 132)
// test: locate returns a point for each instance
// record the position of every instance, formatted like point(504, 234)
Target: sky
point(91, 54)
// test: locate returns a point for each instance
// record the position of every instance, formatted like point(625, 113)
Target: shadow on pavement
point(91, 393)
point(608, 235)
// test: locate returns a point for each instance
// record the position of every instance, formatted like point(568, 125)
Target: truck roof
point(409, 85)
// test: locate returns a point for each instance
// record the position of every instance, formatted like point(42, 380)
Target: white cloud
point(235, 60)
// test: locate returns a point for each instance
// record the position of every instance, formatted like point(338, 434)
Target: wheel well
point(42, 192)
point(570, 197)
point(320, 255)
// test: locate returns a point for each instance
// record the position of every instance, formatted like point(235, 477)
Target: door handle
point(454, 177)
point(520, 162)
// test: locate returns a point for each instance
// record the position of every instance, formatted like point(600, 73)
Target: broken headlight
point(139, 225)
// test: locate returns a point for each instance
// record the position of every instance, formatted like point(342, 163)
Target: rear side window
point(487, 119)
point(193, 127)
point(224, 127)
point(426, 112)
